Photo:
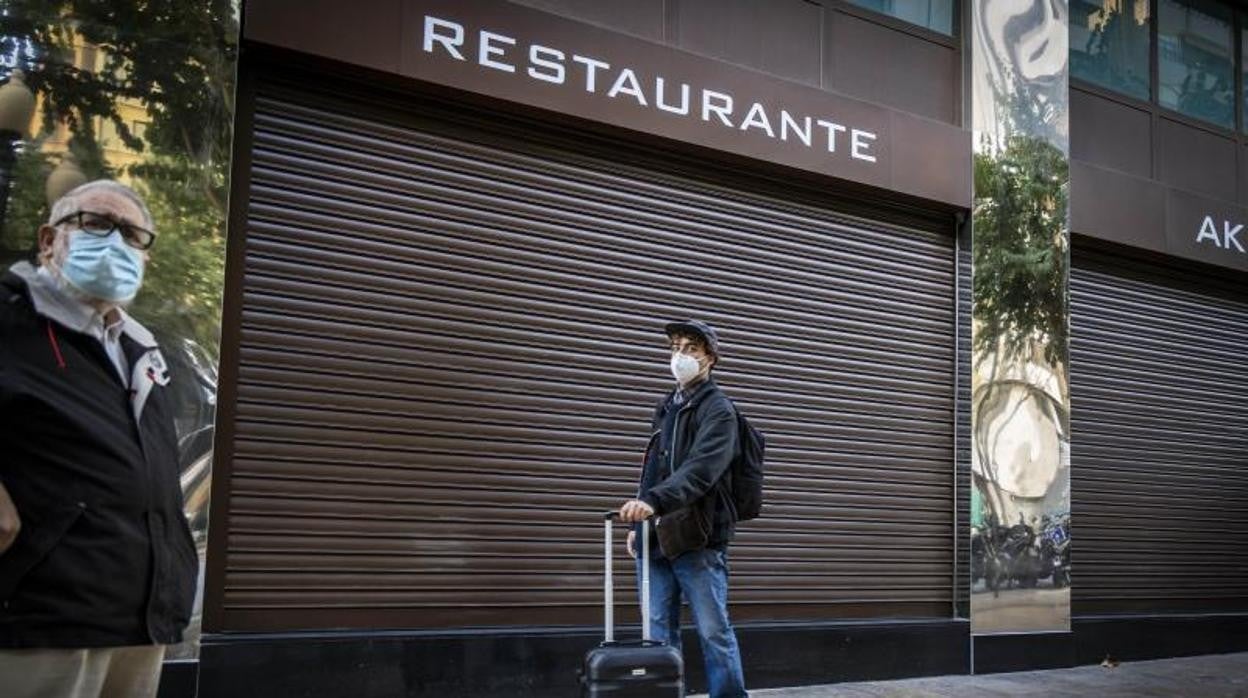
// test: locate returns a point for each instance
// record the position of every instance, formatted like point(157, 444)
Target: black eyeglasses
point(103, 225)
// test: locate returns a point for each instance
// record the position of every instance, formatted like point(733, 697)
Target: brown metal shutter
point(963, 435)
point(1159, 453)
point(451, 348)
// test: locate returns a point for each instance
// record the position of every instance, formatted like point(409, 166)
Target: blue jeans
point(702, 577)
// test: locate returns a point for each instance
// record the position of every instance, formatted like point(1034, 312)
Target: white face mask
point(685, 368)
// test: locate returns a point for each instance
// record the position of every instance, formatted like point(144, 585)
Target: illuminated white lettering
point(627, 84)
point(557, 67)
point(592, 67)
point(683, 109)
point(832, 129)
point(1229, 236)
point(787, 123)
point(756, 117)
point(859, 139)
point(432, 24)
point(723, 109)
point(1209, 231)
point(550, 59)
point(488, 49)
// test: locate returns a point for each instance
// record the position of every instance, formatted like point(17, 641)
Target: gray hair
point(67, 204)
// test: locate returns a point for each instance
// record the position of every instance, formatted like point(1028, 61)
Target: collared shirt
point(48, 295)
point(54, 302)
point(683, 392)
point(110, 337)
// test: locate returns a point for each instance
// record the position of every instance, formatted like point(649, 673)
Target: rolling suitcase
point(631, 669)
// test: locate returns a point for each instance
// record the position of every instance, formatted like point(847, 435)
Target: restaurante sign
point(497, 51)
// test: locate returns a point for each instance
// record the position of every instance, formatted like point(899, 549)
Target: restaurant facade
point(978, 270)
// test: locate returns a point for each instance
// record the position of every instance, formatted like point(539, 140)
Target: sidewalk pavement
point(1209, 676)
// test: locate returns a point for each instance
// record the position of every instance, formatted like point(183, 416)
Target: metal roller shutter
point(963, 435)
point(450, 350)
point(1159, 448)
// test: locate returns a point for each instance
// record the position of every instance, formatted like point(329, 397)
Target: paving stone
point(1210, 676)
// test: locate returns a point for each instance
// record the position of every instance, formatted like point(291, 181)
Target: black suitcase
point(631, 669)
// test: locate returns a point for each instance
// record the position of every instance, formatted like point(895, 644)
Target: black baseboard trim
point(544, 662)
point(178, 678)
point(1136, 638)
point(995, 654)
point(1121, 637)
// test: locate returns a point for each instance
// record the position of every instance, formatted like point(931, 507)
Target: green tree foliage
point(177, 59)
point(184, 281)
point(26, 207)
point(1021, 258)
point(1021, 254)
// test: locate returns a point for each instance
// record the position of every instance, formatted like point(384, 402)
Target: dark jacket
point(696, 471)
point(104, 557)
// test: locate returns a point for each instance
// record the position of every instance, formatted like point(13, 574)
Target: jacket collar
point(699, 391)
point(53, 303)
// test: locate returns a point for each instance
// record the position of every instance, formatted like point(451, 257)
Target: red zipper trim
point(56, 347)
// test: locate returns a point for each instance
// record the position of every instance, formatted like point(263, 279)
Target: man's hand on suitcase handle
point(632, 511)
point(635, 510)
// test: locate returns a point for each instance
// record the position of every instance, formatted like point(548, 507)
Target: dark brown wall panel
point(781, 37)
point(891, 67)
point(1110, 134)
point(643, 18)
point(1197, 160)
point(1114, 206)
point(450, 348)
point(1159, 437)
point(367, 35)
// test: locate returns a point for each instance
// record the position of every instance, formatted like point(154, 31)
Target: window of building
point(106, 134)
point(936, 15)
point(1243, 67)
point(1196, 61)
point(1109, 42)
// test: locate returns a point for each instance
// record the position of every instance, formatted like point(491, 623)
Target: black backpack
point(747, 471)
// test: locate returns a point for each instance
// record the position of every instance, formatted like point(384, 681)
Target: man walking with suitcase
point(686, 485)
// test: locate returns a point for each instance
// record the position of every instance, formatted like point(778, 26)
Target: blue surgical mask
point(104, 268)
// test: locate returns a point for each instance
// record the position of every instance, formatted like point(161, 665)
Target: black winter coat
point(698, 471)
point(104, 557)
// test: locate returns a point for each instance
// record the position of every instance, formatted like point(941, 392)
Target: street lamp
point(67, 176)
point(17, 107)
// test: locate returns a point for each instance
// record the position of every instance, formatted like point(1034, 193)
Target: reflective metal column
point(1020, 504)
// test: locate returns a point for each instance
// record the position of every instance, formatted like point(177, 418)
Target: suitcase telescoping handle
point(608, 584)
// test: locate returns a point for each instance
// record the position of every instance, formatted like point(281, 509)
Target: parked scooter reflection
point(1019, 556)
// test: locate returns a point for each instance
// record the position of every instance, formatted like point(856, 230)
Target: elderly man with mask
point(97, 565)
